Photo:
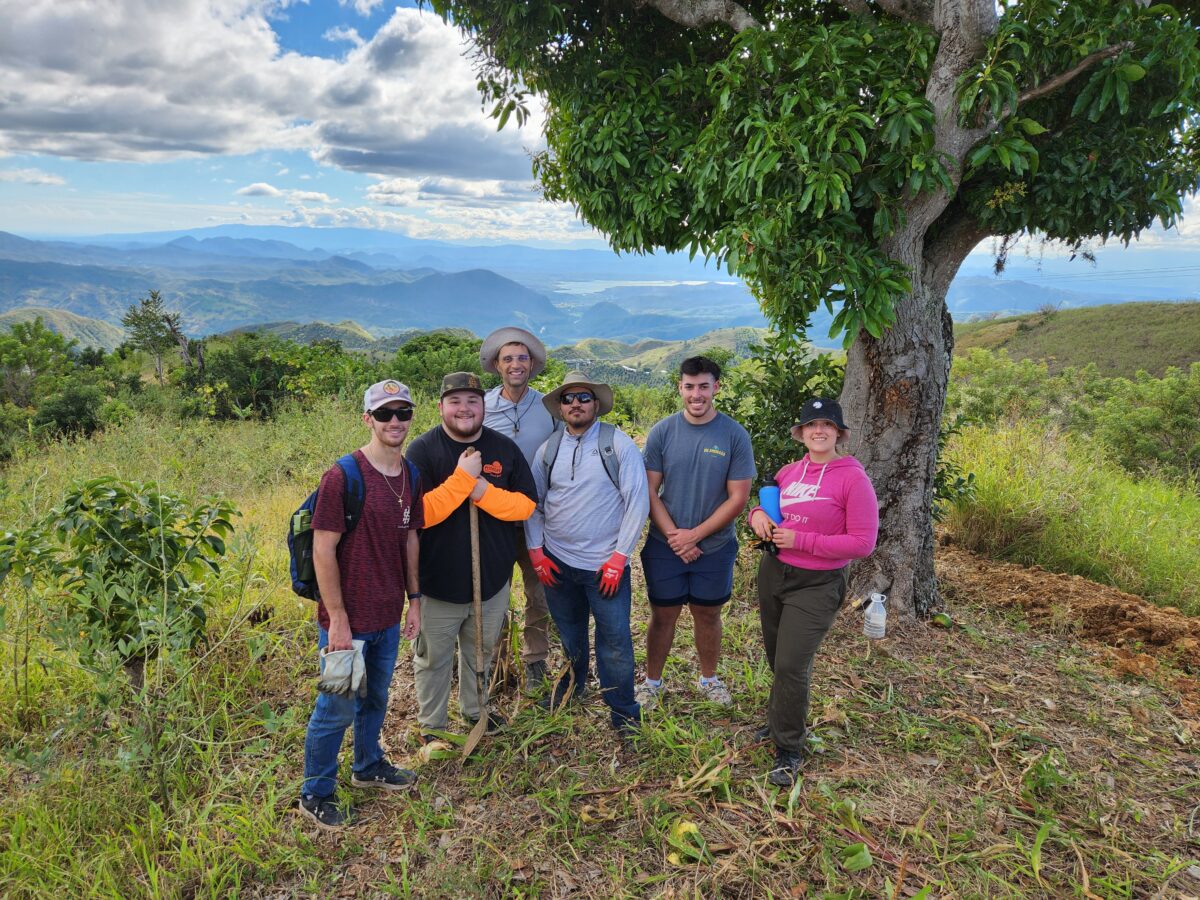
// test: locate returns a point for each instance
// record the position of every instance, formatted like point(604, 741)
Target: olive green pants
point(445, 627)
point(797, 608)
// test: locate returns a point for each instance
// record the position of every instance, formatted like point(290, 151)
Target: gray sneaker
point(384, 775)
point(647, 695)
point(326, 812)
point(715, 692)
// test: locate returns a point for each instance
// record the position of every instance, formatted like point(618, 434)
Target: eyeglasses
point(576, 397)
point(522, 358)
point(387, 413)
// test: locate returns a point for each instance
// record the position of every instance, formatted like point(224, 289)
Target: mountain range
point(233, 276)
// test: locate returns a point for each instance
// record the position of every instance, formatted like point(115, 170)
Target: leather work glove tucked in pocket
point(343, 671)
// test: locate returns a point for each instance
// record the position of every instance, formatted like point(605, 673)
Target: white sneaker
point(647, 695)
point(716, 692)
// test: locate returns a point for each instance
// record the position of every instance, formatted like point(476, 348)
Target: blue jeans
point(334, 713)
point(577, 595)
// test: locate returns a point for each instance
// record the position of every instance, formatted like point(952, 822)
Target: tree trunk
point(893, 397)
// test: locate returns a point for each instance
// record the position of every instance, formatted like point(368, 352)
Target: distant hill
point(351, 335)
point(1120, 338)
point(84, 331)
point(652, 359)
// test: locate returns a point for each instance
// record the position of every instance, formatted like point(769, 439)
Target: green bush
point(765, 394)
point(1152, 425)
point(74, 410)
point(134, 561)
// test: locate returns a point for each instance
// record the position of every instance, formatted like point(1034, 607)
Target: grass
point(1120, 338)
point(1044, 499)
point(991, 759)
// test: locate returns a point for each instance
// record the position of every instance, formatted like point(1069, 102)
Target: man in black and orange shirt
point(462, 462)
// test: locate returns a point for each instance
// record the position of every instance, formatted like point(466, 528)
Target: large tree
point(851, 153)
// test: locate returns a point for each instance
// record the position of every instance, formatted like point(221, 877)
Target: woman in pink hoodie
point(830, 516)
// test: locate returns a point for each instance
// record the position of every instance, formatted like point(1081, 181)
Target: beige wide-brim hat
point(604, 394)
point(512, 335)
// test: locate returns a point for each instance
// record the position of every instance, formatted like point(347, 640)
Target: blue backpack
point(300, 534)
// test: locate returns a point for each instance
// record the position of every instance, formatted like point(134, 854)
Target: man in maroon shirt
point(362, 576)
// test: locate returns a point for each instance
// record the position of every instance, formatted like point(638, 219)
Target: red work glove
point(544, 566)
point(610, 574)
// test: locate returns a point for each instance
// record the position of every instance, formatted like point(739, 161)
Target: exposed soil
point(1135, 636)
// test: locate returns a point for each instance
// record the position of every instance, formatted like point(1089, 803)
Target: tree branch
point(1049, 87)
point(698, 13)
point(920, 11)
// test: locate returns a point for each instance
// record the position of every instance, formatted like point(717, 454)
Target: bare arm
point(329, 582)
point(658, 510)
point(412, 619)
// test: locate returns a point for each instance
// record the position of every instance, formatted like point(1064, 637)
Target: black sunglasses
point(576, 397)
point(387, 413)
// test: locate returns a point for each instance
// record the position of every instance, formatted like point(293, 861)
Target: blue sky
point(142, 115)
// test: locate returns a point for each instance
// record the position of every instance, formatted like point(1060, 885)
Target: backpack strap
point(608, 454)
point(356, 491)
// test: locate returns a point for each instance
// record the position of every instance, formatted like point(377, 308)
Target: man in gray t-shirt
point(699, 466)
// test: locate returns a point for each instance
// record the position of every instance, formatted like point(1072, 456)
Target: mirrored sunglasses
point(387, 413)
point(576, 397)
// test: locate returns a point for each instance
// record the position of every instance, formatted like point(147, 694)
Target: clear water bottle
point(875, 619)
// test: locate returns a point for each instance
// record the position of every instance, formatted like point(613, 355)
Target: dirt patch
point(1136, 636)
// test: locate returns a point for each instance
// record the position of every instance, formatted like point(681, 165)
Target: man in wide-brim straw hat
point(515, 410)
point(593, 501)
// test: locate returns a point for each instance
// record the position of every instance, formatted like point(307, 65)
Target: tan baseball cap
point(385, 392)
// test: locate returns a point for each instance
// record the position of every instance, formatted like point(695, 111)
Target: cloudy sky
point(124, 115)
point(141, 115)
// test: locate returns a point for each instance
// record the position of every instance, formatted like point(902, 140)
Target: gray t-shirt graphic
point(696, 461)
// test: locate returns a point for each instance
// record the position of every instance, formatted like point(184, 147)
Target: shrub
point(75, 410)
point(765, 394)
point(133, 560)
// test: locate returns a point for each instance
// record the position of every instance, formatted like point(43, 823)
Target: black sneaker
point(787, 767)
point(384, 775)
point(535, 674)
point(495, 724)
point(554, 700)
point(762, 734)
point(326, 812)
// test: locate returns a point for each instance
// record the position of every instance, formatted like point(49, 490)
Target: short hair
point(700, 365)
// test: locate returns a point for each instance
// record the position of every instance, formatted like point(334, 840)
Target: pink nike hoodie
point(833, 510)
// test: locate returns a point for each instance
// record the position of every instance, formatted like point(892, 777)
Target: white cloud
point(259, 189)
point(281, 172)
point(30, 176)
point(362, 7)
point(343, 33)
point(153, 80)
point(308, 197)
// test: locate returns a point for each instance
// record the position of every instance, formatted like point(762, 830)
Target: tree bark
point(893, 397)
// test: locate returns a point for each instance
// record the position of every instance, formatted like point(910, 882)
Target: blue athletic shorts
point(671, 582)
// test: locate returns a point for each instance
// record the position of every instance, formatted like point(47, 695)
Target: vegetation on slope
point(85, 332)
point(989, 759)
point(1120, 339)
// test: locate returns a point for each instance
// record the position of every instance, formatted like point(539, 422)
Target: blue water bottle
point(768, 499)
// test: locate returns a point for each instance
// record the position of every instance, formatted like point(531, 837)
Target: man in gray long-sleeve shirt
point(593, 502)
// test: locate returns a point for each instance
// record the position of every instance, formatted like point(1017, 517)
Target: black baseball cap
point(821, 408)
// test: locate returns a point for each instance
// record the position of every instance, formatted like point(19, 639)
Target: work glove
point(343, 672)
point(543, 566)
point(610, 574)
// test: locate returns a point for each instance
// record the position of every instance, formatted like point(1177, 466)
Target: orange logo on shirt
point(493, 468)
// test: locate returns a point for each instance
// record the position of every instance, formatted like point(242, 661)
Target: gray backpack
point(608, 455)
